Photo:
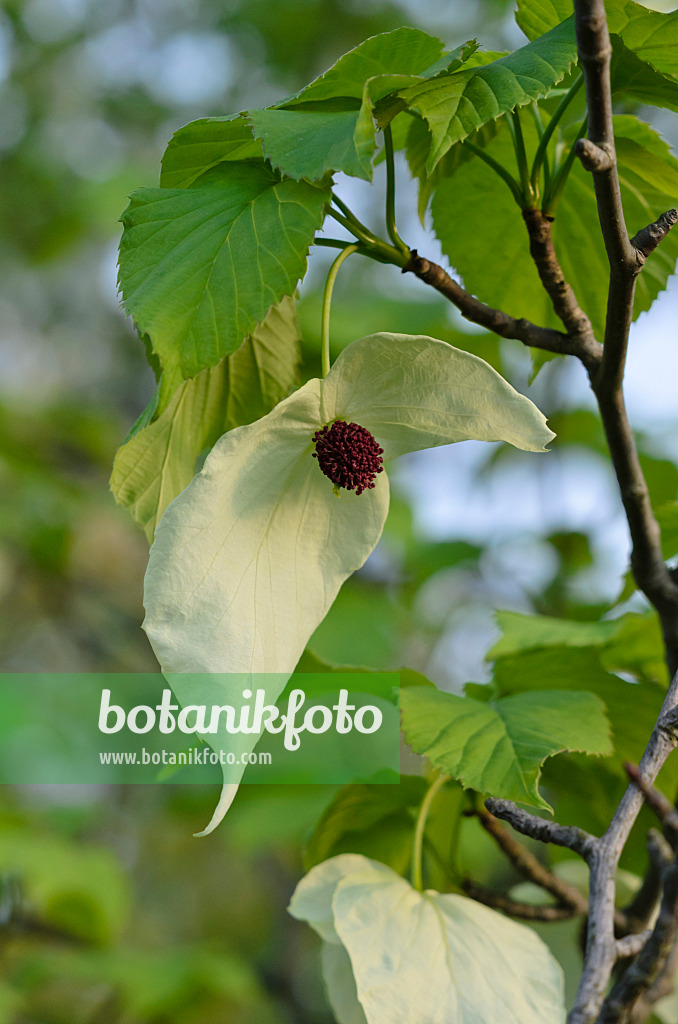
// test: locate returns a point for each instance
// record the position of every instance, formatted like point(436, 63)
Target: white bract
point(248, 559)
point(381, 938)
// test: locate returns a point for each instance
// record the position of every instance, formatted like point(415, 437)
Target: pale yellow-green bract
point(248, 559)
point(392, 955)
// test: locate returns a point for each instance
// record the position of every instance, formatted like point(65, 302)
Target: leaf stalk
point(418, 844)
point(327, 302)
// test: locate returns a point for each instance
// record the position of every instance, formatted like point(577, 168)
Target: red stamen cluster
point(349, 455)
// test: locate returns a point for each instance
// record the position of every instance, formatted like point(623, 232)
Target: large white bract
point(248, 559)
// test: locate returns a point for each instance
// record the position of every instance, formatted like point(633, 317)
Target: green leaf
point(667, 517)
point(493, 258)
point(249, 557)
point(373, 820)
point(638, 648)
point(307, 143)
point(635, 79)
point(381, 937)
point(201, 145)
point(652, 35)
point(529, 632)
point(405, 51)
point(498, 747)
point(364, 628)
point(565, 668)
point(630, 644)
point(328, 126)
point(453, 106)
point(536, 17)
point(200, 267)
point(159, 460)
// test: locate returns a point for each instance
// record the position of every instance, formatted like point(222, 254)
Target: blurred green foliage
point(110, 912)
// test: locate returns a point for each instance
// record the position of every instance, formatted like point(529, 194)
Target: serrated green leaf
point(404, 51)
point(633, 78)
point(652, 35)
point(568, 668)
point(155, 465)
point(201, 145)
point(493, 256)
point(307, 143)
point(383, 937)
point(643, 46)
point(453, 106)
point(498, 747)
point(328, 126)
point(200, 267)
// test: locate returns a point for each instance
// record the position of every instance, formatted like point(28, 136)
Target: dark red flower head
point(349, 455)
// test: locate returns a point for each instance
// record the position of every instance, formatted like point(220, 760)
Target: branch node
point(594, 157)
point(631, 945)
point(647, 239)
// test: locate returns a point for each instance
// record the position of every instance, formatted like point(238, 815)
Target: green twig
point(540, 155)
point(497, 167)
point(521, 158)
point(327, 301)
point(375, 248)
point(539, 125)
point(418, 845)
point(390, 194)
point(552, 197)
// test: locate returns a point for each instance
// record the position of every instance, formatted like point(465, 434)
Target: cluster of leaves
point(209, 266)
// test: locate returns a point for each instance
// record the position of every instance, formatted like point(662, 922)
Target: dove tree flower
point(248, 559)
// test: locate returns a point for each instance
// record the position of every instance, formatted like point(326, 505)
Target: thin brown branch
point(626, 258)
point(496, 320)
point(643, 905)
point(515, 908)
point(595, 51)
point(532, 825)
point(601, 948)
point(528, 865)
point(563, 299)
point(657, 802)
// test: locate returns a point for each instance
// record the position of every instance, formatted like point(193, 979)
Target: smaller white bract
point(381, 938)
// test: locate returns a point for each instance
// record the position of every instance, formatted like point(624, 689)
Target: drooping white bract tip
point(228, 791)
